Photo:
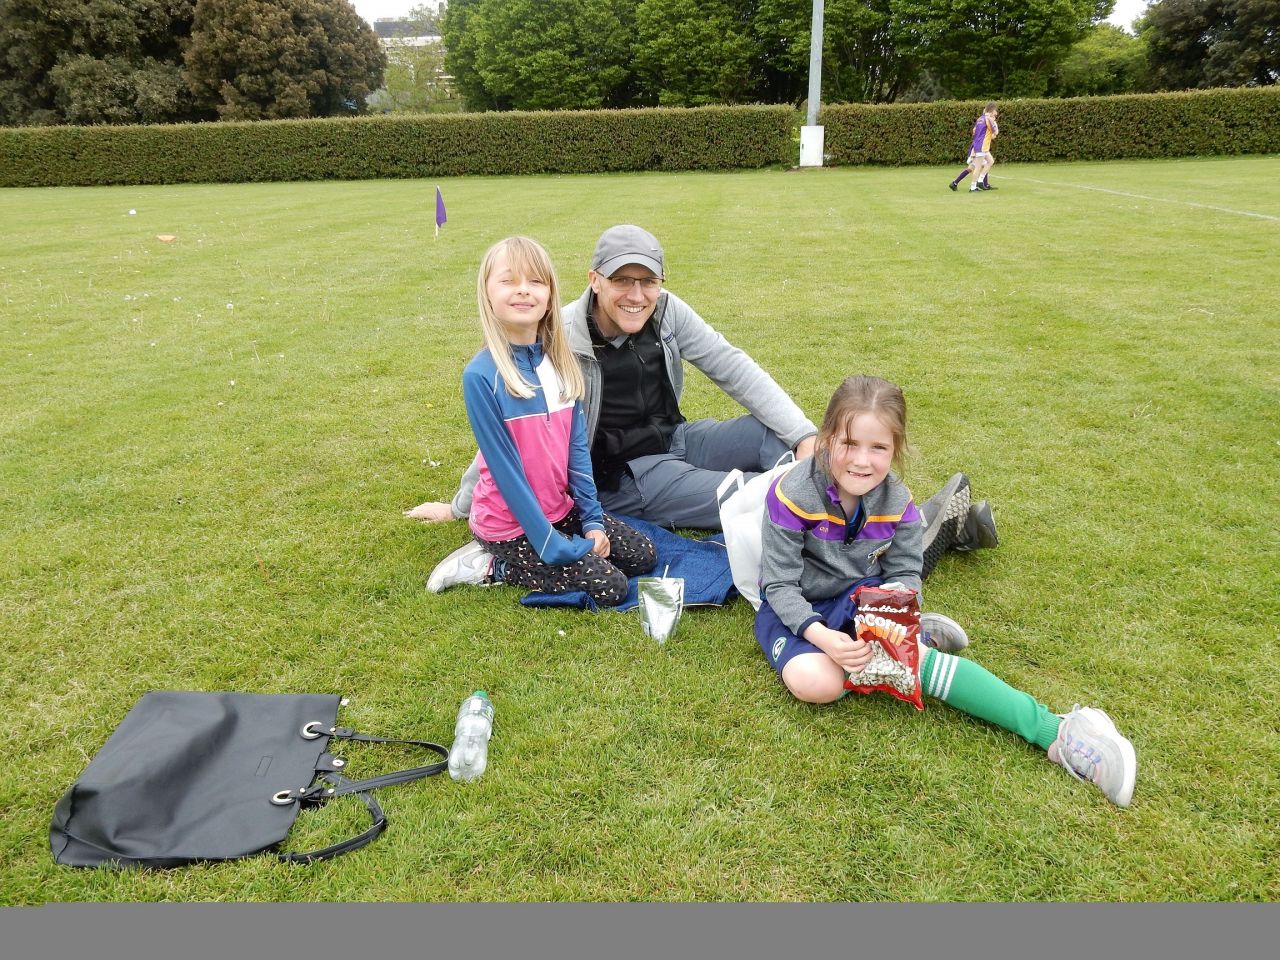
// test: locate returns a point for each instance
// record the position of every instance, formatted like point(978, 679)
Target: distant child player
point(985, 182)
point(841, 518)
point(985, 129)
point(536, 518)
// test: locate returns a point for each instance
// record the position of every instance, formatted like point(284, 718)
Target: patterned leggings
point(631, 553)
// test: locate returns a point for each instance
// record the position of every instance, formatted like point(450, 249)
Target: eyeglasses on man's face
point(624, 284)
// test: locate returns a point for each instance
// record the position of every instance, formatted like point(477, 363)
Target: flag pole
point(441, 217)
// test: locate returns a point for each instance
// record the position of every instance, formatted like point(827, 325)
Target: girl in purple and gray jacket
point(843, 517)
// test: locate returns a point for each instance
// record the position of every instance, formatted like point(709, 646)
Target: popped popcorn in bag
point(889, 620)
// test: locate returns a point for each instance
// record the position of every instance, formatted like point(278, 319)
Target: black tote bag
point(191, 776)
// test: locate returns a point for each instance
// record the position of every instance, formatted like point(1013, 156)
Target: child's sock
point(963, 173)
point(975, 690)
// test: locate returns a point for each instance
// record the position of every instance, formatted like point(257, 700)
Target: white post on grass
point(811, 134)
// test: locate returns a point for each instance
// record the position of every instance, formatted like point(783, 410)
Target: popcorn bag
point(889, 620)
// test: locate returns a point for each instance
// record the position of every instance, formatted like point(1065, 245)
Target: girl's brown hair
point(527, 258)
point(858, 395)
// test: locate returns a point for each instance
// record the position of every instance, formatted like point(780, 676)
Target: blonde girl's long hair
point(527, 258)
point(857, 395)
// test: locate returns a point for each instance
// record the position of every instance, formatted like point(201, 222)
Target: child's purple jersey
point(982, 135)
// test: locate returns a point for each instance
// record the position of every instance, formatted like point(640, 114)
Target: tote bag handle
point(330, 785)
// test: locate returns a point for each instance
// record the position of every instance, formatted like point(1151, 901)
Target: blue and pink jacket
point(811, 551)
point(534, 462)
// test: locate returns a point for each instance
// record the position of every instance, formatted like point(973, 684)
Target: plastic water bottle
point(470, 753)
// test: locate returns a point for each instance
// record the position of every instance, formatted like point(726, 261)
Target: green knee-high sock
point(980, 693)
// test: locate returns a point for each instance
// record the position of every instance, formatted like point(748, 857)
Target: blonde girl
point(536, 518)
point(842, 518)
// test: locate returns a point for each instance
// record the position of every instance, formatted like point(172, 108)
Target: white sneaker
point(942, 633)
point(1090, 748)
point(470, 564)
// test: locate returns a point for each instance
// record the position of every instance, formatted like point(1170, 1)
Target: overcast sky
point(1125, 12)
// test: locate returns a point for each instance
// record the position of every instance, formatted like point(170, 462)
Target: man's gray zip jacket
point(684, 336)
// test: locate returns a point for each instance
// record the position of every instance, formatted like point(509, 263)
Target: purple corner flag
point(440, 214)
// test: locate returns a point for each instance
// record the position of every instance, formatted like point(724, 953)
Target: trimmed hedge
point(1195, 123)
point(1136, 126)
point(362, 148)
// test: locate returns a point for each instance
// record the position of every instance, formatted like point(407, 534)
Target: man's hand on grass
point(431, 512)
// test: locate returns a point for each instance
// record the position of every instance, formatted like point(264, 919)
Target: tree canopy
point(153, 61)
point(93, 61)
point(1213, 43)
point(149, 61)
point(688, 53)
point(539, 54)
point(271, 59)
point(1106, 60)
point(974, 48)
point(591, 53)
point(861, 60)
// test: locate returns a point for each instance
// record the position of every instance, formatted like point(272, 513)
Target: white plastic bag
point(741, 517)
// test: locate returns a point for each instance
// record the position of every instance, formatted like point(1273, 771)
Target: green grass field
point(206, 446)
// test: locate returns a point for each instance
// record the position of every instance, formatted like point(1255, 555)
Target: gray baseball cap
point(626, 243)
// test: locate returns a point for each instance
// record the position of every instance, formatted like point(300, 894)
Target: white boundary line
point(1139, 196)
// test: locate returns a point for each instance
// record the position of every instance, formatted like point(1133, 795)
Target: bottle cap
point(481, 693)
